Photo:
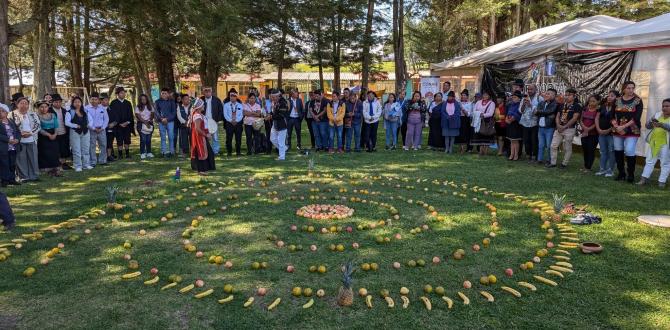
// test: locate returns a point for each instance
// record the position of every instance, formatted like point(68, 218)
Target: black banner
point(588, 73)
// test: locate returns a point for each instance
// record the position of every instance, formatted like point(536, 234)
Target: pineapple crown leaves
point(559, 202)
point(112, 191)
point(348, 271)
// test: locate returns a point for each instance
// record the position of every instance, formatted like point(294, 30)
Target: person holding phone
point(659, 145)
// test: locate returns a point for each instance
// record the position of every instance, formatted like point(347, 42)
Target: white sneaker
point(150, 155)
point(78, 169)
point(609, 175)
point(599, 173)
point(142, 156)
point(88, 167)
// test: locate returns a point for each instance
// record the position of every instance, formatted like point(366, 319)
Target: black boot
point(127, 153)
point(630, 160)
point(619, 157)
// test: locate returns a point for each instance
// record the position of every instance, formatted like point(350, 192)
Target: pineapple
point(311, 165)
point(346, 295)
point(111, 198)
point(559, 204)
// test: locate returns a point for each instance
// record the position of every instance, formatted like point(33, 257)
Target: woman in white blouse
point(253, 124)
point(78, 119)
point(29, 124)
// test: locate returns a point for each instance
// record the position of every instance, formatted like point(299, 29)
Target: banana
point(204, 294)
point(554, 272)
point(545, 280)
point(19, 240)
point(187, 288)
point(563, 251)
point(564, 264)
point(5, 245)
point(368, 301)
point(130, 275)
point(249, 302)
point(564, 258)
point(569, 244)
point(151, 281)
point(570, 238)
point(308, 304)
point(563, 246)
point(427, 303)
point(171, 285)
point(226, 299)
point(274, 304)
point(466, 300)
point(389, 301)
point(487, 295)
point(450, 303)
point(405, 301)
point(562, 269)
point(511, 291)
point(527, 285)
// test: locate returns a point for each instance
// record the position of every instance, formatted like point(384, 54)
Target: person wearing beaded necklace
point(626, 125)
point(659, 145)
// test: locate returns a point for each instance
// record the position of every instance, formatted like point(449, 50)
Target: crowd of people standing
point(523, 121)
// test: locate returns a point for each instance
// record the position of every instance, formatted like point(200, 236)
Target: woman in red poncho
point(202, 155)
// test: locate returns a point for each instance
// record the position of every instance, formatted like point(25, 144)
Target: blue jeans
point(317, 134)
point(544, 136)
point(625, 144)
point(167, 137)
point(323, 132)
point(335, 132)
point(606, 153)
point(391, 133)
point(145, 143)
point(355, 131)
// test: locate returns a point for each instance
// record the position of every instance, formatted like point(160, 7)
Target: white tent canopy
point(544, 41)
point(650, 33)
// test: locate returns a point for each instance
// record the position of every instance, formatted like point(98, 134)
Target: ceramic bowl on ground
point(591, 247)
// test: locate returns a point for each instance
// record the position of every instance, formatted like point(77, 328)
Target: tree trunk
point(399, 46)
point(517, 20)
point(4, 52)
point(86, 48)
point(337, 67)
point(492, 29)
point(42, 72)
point(209, 70)
point(280, 60)
point(164, 61)
point(72, 51)
point(525, 20)
point(479, 41)
point(367, 43)
point(319, 51)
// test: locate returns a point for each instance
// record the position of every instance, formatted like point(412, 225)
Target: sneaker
point(88, 167)
point(143, 156)
point(150, 155)
point(563, 166)
point(78, 169)
point(600, 173)
point(609, 174)
point(549, 165)
point(405, 148)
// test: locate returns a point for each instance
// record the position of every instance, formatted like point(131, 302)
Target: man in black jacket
point(546, 114)
point(6, 213)
point(280, 111)
point(122, 111)
point(213, 109)
point(296, 114)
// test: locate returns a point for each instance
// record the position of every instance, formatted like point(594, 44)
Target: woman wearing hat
point(29, 126)
point(9, 143)
point(77, 119)
point(202, 155)
point(47, 143)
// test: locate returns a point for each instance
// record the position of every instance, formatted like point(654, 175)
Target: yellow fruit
point(308, 304)
point(484, 280)
point(426, 302)
point(439, 290)
point(187, 288)
point(545, 280)
point(226, 299)
point(529, 265)
point(365, 266)
point(368, 301)
point(218, 260)
point(340, 247)
point(527, 285)
point(389, 301)
point(374, 266)
point(487, 295)
point(151, 281)
point(274, 304)
point(228, 288)
point(405, 301)
point(466, 300)
point(404, 291)
point(249, 302)
point(321, 269)
point(561, 269)
point(30, 271)
point(171, 285)
point(555, 272)
point(296, 292)
point(564, 264)
point(511, 291)
point(428, 288)
point(492, 279)
point(204, 294)
point(131, 275)
point(362, 292)
point(307, 292)
point(450, 303)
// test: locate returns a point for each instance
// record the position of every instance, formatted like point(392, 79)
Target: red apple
point(199, 254)
point(396, 265)
point(398, 236)
point(312, 247)
point(349, 229)
point(476, 247)
point(127, 257)
point(467, 284)
point(509, 272)
point(550, 245)
point(294, 227)
point(261, 291)
point(228, 264)
point(290, 268)
point(199, 283)
point(436, 260)
point(154, 271)
point(61, 245)
point(280, 244)
point(355, 245)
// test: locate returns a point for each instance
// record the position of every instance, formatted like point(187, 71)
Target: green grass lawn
point(624, 287)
